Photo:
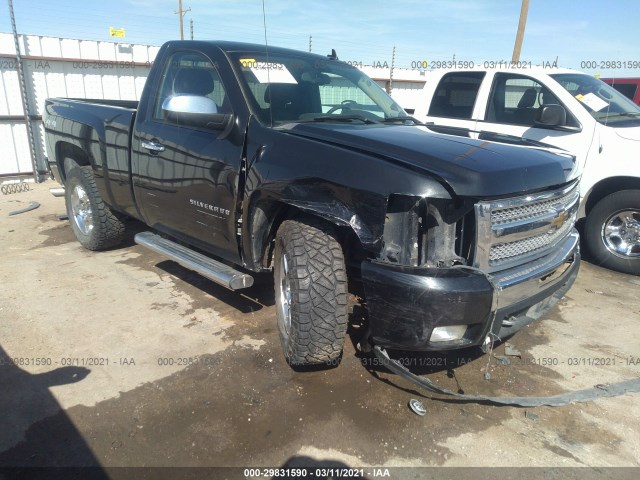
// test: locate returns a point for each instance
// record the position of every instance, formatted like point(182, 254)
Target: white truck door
point(512, 106)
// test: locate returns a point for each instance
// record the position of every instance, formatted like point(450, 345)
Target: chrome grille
point(531, 211)
point(504, 251)
point(517, 230)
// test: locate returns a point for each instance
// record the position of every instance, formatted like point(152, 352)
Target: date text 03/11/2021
point(255, 473)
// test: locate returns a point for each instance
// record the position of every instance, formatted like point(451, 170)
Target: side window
point(190, 73)
point(516, 100)
point(456, 95)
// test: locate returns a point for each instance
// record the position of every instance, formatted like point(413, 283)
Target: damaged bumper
point(418, 308)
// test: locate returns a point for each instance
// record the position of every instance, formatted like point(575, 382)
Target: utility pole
point(191, 22)
point(181, 13)
point(24, 96)
point(310, 37)
point(524, 10)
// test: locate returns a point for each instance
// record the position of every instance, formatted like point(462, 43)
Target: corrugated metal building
point(60, 67)
point(65, 67)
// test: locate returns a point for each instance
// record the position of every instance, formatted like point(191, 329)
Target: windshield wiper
point(624, 114)
point(403, 118)
point(338, 118)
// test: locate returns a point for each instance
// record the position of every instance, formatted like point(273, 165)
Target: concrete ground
point(122, 358)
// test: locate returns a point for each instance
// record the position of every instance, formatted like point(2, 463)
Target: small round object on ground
point(417, 407)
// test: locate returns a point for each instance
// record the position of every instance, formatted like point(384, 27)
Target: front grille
point(517, 230)
point(530, 211)
point(504, 251)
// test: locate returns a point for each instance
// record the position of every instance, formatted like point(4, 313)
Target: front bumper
point(406, 304)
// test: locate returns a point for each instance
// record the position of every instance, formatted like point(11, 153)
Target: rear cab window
point(456, 95)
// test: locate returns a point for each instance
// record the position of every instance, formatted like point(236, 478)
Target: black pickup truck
point(247, 159)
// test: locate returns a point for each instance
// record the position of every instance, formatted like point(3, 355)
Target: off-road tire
point(317, 281)
point(594, 231)
point(107, 229)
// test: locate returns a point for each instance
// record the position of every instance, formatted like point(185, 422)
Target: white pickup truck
point(565, 109)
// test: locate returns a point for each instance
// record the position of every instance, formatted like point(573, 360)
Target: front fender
point(341, 215)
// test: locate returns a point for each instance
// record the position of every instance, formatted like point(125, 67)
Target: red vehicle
point(629, 87)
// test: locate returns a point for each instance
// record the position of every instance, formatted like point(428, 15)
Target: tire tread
point(108, 228)
point(319, 311)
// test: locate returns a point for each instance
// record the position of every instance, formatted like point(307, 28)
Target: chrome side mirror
point(194, 110)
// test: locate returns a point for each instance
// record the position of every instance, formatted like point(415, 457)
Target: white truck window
point(516, 100)
point(456, 95)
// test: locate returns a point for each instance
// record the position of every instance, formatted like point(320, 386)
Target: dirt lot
point(122, 358)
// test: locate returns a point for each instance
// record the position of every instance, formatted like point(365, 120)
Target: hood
point(474, 168)
point(628, 133)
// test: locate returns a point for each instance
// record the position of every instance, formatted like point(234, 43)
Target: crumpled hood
point(473, 168)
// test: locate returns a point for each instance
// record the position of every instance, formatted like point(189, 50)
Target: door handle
point(153, 146)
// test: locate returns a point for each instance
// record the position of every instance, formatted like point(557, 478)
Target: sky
point(587, 35)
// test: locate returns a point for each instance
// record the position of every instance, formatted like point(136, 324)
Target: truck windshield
point(603, 102)
point(289, 88)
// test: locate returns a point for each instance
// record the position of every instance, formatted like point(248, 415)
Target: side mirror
point(552, 116)
point(195, 110)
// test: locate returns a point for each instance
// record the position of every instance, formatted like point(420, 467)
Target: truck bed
point(101, 129)
point(128, 104)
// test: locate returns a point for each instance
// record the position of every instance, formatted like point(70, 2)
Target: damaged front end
point(453, 274)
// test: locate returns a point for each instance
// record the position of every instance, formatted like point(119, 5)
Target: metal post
point(524, 10)
point(25, 98)
point(191, 23)
point(393, 63)
point(310, 38)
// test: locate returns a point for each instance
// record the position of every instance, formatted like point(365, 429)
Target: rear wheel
point(612, 232)
point(94, 224)
point(311, 293)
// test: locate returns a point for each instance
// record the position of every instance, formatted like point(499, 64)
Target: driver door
point(186, 175)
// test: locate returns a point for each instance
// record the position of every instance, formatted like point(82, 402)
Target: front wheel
point(612, 232)
point(94, 224)
point(311, 293)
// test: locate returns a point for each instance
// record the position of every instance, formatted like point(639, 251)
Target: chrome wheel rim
point(81, 210)
point(284, 297)
point(621, 233)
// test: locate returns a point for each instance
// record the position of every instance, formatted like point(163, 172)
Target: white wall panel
point(106, 51)
point(50, 47)
point(9, 157)
point(74, 83)
point(11, 99)
point(6, 44)
point(89, 49)
point(70, 48)
point(71, 68)
point(407, 94)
